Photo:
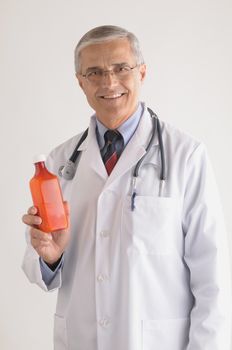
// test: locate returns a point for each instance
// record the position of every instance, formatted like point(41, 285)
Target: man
point(137, 268)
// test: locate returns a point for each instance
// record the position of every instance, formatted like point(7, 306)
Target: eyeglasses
point(120, 71)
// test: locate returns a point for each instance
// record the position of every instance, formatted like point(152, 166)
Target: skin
point(50, 246)
point(111, 112)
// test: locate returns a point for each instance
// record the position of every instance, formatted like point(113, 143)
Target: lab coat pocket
point(60, 333)
point(151, 227)
point(165, 334)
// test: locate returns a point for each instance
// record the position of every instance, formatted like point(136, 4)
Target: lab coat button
point(104, 322)
point(101, 277)
point(104, 234)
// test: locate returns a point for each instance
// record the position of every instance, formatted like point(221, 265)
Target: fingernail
point(38, 221)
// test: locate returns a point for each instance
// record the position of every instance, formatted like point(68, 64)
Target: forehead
point(107, 53)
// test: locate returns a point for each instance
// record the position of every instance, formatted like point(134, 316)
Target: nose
point(109, 78)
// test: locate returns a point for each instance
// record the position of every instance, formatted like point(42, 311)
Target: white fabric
point(155, 278)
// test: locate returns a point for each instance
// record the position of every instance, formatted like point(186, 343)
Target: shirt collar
point(126, 129)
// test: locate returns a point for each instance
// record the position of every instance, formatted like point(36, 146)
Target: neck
point(114, 122)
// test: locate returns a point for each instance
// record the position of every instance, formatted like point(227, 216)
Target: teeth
point(112, 96)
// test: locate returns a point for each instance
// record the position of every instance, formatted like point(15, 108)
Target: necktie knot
point(111, 136)
point(112, 149)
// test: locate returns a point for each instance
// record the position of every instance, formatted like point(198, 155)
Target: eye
point(123, 69)
point(94, 73)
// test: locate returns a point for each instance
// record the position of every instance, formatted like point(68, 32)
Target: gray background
point(187, 48)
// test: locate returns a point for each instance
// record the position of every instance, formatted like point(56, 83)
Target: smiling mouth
point(113, 96)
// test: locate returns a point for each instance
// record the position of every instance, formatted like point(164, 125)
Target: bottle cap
point(39, 158)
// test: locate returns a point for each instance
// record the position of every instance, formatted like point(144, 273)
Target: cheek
point(91, 100)
point(89, 93)
point(134, 90)
point(134, 86)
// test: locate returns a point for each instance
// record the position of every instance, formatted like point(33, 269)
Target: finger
point(31, 220)
point(40, 236)
point(37, 244)
point(32, 210)
point(66, 208)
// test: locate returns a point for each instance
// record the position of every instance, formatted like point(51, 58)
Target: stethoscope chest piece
point(67, 171)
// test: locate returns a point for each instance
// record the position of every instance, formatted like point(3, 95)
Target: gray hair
point(107, 33)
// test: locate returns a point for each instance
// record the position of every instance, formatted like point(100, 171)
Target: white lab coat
point(155, 278)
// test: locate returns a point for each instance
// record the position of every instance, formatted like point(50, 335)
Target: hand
point(50, 246)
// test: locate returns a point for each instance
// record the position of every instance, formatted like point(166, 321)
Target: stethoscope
point(68, 170)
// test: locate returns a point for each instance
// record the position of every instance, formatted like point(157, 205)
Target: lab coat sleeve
point(48, 274)
point(31, 267)
point(207, 257)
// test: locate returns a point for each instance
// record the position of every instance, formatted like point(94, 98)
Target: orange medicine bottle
point(47, 197)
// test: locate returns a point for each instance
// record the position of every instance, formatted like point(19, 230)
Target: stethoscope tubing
point(156, 128)
point(76, 153)
point(69, 173)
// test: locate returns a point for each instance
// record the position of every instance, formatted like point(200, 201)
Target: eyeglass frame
point(111, 71)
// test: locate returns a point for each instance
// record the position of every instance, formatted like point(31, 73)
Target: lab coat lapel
point(135, 149)
point(92, 152)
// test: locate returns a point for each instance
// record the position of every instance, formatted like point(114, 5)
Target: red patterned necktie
point(112, 149)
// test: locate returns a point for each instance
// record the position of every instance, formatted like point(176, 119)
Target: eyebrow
point(113, 64)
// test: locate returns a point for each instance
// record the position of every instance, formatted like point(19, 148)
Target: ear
point(142, 71)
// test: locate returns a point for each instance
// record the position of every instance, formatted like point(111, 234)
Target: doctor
point(155, 277)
